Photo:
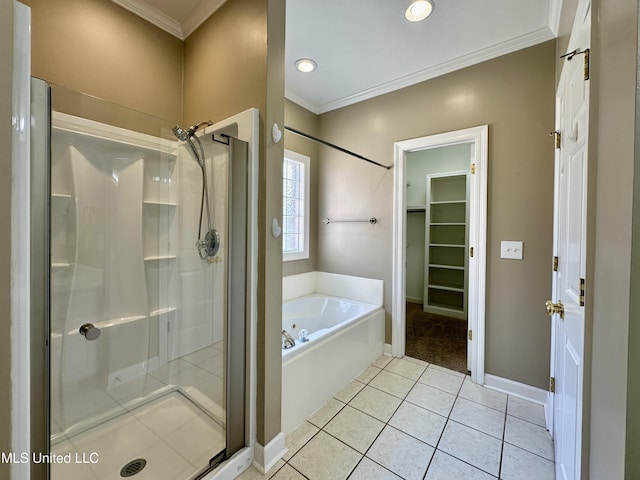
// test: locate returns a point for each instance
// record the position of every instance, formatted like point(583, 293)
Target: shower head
point(184, 135)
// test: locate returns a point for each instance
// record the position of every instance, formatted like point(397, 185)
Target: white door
point(567, 304)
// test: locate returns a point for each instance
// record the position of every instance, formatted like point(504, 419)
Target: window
point(295, 206)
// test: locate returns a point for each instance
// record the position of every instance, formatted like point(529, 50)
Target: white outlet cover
point(511, 250)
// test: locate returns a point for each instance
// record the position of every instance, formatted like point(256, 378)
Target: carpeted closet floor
point(436, 339)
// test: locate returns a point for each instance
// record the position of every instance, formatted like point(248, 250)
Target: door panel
point(570, 248)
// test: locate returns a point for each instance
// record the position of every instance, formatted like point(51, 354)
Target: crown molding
point(304, 103)
point(152, 15)
point(524, 41)
point(203, 10)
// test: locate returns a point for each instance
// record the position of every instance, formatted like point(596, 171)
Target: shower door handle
point(90, 331)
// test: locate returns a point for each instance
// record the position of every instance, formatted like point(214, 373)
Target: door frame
point(479, 138)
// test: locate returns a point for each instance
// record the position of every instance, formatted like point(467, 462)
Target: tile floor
point(406, 419)
point(173, 434)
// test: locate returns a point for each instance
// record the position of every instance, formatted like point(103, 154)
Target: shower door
point(146, 338)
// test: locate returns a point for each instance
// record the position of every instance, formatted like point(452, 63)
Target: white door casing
point(567, 354)
point(478, 137)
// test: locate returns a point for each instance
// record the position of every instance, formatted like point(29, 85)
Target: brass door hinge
point(582, 292)
point(555, 264)
point(586, 63)
point(473, 168)
point(558, 137)
point(552, 384)
point(569, 56)
point(470, 334)
point(471, 252)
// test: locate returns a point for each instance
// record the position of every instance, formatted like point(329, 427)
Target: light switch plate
point(512, 250)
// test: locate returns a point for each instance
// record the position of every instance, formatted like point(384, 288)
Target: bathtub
point(345, 336)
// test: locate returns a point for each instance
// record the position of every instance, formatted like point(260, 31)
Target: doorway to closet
point(440, 192)
point(437, 246)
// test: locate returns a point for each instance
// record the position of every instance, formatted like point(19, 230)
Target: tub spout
point(287, 340)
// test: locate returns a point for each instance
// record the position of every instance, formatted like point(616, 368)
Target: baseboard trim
point(267, 456)
point(387, 349)
point(521, 390)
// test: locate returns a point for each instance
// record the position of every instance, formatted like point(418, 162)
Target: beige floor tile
point(402, 454)
point(525, 410)
point(449, 371)
point(418, 361)
point(288, 473)
point(392, 383)
point(418, 422)
point(201, 355)
point(471, 446)
point(368, 374)
point(439, 379)
point(518, 464)
point(350, 391)
point(446, 467)
point(252, 473)
point(369, 470)
point(382, 361)
point(530, 437)
point(296, 439)
point(477, 416)
point(483, 395)
point(166, 414)
point(376, 403)
point(325, 458)
point(431, 398)
point(405, 368)
point(356, 429)
point(329, 410)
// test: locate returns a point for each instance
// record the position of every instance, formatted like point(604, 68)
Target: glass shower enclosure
point(147, 339)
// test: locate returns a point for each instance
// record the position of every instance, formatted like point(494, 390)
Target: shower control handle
point(90, 331)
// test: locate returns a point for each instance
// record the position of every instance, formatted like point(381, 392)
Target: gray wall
point(301, 119)
point(419, 164)
point(6, 94)
point(514, 95)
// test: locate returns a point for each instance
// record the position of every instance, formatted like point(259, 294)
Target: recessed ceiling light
point(419, 10)
point(306, 65)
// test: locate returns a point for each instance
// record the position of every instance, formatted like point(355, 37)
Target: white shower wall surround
point(124, 221)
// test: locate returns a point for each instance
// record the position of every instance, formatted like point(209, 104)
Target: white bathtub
point(346, 336)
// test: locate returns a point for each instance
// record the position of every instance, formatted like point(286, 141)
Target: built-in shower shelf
point(160, 204)
point(112, 322)
point(159, 258)
point(60, 265)
point(162, 311)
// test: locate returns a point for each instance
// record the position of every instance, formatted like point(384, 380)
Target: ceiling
point(366, 48)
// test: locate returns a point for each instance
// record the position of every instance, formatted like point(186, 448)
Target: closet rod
point(343, 150)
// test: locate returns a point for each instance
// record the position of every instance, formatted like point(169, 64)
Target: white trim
point(478, 136)
point(521, 390)
point(303, 102)
point(152, 15)
point(233, 467)
point(555, 11)
point(267, 456)
point(527, 40)
point(20, 239)
point(517, 389)
point(387, 349)
point(197, 16)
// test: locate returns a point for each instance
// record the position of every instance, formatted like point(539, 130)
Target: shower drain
point(133, 467)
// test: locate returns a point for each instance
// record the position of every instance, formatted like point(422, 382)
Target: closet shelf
point(439, 224)
point(160, 204)
point(162, 311)
point(447, 288)
point(446, 267)
point(447, 202)
point(447, 245)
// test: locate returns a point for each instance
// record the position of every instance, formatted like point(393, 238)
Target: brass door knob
point(555, 308)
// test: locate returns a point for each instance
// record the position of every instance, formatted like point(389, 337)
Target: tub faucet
point(287, 340)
